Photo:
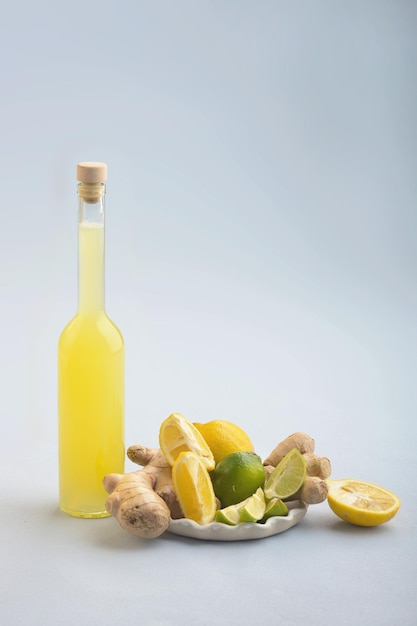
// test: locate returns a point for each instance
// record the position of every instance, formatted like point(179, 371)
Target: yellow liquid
point(90, 390)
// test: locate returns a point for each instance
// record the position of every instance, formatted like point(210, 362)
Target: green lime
point(237, 476)
point(275, 507)
point(254, 507)
point(288, 476)
point(249, 510)
point(229, 515)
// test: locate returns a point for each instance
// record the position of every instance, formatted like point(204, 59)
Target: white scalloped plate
point(222, 532)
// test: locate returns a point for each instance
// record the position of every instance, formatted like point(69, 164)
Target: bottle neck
point(91, 248)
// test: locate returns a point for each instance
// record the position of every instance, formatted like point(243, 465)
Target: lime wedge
point(254, 508)
point(288, 476)
point(274, 508)
point(229, 515)
point(251, 509)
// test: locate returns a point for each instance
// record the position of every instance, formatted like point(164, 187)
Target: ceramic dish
point(222, 532)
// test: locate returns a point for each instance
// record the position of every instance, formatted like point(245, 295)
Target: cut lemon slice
point(193, 488)
point(361, 503)
point(177, 434)
point(288, 476)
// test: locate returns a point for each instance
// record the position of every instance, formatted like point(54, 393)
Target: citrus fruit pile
point(217, 476)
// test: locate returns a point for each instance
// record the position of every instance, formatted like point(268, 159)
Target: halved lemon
point(193, 488)
point(361, 503)
point(177, 434)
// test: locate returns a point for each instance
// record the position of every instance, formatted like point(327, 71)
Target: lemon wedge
point(177, 434)
point(192, 485)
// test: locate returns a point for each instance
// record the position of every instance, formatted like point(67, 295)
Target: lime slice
point(229, 515)
point(249, 510)
point(274, 508)
point(288, 476)
point(361, 503)
point(254, 508)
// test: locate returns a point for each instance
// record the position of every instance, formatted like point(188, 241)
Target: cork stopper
point(92, 176)
point(92, 172)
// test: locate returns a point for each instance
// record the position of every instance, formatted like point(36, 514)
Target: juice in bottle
point(90, 369)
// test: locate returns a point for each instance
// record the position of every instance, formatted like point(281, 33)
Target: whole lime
point(237, 476)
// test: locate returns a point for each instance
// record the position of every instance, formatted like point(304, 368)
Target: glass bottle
point(90, 368)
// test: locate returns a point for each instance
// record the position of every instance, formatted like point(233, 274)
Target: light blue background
point(260, 262)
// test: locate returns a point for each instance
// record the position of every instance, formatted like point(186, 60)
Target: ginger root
point(317, 465)
point(313, 491)
point(318, 468)
point(153, 458)
point(143, 502)
point(303, 442)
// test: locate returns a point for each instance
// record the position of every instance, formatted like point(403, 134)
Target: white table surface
point(261, 263)
point(56, 569)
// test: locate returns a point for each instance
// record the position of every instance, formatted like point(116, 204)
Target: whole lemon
point(237, 476)
point(224, 437)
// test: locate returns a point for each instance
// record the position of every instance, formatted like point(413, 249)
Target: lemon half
point(361, 503)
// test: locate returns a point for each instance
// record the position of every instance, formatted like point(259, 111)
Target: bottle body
point(90, 377)
point(91, 412)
